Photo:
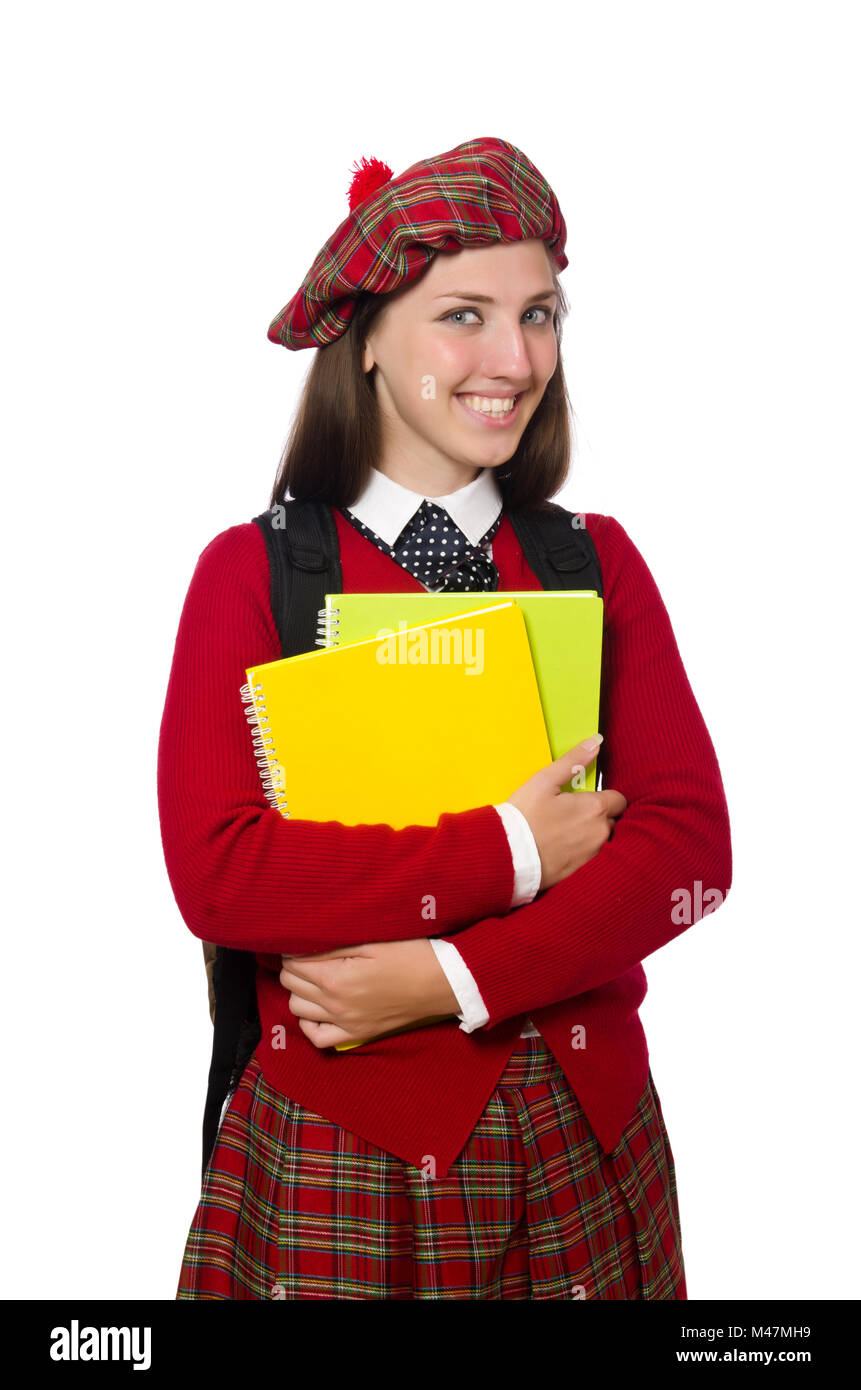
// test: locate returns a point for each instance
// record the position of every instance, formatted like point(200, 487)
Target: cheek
point(442, 366)
point(408, 387)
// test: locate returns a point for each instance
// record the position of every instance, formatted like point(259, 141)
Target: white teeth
point(488, 406)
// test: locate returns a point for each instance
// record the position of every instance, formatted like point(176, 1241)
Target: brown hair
point(335, 437)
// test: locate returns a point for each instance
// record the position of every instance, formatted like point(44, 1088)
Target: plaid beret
point(481, 192)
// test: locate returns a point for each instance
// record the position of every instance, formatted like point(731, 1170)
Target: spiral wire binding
point(328, 630)
point(271, 771)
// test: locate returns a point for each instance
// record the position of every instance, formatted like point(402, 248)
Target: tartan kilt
point(293, 1206)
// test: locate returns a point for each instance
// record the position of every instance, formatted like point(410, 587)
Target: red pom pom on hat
point(370, 175)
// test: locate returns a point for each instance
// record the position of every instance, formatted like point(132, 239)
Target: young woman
point(499, 1135)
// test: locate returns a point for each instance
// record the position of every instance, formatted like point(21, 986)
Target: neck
point(429, 479)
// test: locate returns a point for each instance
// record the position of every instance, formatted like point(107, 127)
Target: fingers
point(567, 765)
point(323, 1034)
point(306, 1008)
point(614, 802)
point(296, 979)
point(324, 955)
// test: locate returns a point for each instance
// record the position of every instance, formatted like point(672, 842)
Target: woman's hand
point(357, 993)
point(568, 830)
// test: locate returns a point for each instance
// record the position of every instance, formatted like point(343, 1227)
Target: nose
point(505, 353)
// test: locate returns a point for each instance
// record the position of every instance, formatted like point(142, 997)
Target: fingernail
point(594, 742)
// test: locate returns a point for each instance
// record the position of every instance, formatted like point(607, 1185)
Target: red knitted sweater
point(244, 876)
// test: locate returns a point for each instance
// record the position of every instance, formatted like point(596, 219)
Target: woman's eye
point(539, 309)
point(536, 309)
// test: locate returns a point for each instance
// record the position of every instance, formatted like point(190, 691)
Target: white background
point(170, 172)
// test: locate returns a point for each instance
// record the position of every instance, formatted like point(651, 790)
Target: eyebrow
point(487, 299)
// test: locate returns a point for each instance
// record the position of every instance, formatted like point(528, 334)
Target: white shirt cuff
point(473, 1014)
point(524, 853)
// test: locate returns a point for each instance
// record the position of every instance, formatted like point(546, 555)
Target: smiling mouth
point(494, 410)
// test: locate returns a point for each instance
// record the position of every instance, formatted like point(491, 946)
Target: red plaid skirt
point(293, 1206)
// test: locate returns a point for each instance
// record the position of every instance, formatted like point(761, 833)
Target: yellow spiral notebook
point(382, 731)
point(565, 630)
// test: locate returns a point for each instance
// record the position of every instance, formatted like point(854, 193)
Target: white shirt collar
point(387, 506)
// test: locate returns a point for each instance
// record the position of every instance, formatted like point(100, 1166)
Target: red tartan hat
point(480, 192)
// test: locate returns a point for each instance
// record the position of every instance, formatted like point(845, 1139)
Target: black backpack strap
point(304, 565)
point(561, 554)
point(235, 1034)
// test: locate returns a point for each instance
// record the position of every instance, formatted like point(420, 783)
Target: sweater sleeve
point(245, 876)
point(669, 859)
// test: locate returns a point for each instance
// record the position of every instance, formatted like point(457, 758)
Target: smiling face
point(451, 351)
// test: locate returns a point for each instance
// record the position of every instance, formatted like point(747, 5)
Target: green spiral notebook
point(565, 628)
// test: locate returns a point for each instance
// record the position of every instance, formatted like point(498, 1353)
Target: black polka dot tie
point(437, 552)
